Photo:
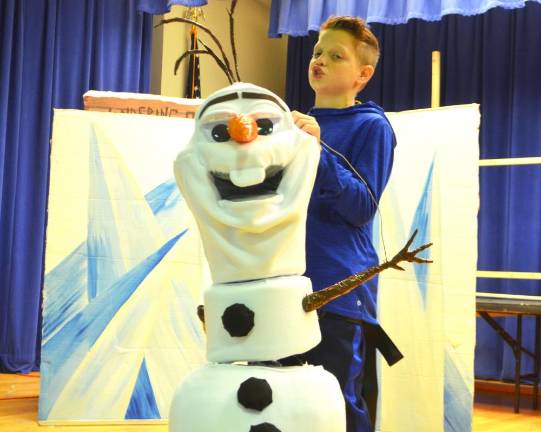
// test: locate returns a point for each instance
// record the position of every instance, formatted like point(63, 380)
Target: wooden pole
point(436, 68)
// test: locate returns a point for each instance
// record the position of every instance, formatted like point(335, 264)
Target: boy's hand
point(307, 123)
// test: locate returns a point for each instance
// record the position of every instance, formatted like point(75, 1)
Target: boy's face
point(335, 68)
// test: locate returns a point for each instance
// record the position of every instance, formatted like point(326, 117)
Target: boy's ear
point(365, 73)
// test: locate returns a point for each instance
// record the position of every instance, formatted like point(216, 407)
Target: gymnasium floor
point(19, 405)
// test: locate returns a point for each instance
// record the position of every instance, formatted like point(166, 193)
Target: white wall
point(262, 61)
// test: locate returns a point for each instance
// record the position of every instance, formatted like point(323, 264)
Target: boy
point(342, 206)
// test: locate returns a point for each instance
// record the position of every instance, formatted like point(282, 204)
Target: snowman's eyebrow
point(224, 98)
point(243, 95)
point(250, 95)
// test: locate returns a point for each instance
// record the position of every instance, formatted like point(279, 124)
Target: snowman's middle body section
point(280, 325)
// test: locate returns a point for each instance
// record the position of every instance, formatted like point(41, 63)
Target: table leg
point(518, 356)
point(537, 360)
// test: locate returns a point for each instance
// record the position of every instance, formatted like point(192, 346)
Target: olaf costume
point(247, 176)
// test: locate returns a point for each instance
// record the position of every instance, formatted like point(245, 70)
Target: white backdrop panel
point(429, 311)
point(123, 270)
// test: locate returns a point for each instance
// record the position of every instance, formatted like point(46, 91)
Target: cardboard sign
point(135, 103)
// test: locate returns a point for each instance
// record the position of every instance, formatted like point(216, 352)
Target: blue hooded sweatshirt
point(341, 209)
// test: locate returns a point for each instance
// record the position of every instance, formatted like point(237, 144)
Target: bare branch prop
point(205, 29)
point(227, 71)
point(205, 51)
point(320, 298)
point(232, 36)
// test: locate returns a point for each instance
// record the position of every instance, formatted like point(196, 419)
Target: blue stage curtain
point(298, 17)
point(51, 53)
point(158, 7)
point(494, 60)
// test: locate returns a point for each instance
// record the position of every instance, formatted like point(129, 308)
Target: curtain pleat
point(299, 17)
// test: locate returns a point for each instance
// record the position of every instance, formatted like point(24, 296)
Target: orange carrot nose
point(242, 128)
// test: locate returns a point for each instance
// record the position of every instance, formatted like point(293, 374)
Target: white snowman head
point(247, 176)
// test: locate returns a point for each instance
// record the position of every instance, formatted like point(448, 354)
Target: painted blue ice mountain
point(66, 284)
point(66, 293)
point(167, 204)
point(458, 399)
point(128, 236)
point(421, 223)
point(103, 228)
point(163, 197)
point(143, 403)
point(65, 351)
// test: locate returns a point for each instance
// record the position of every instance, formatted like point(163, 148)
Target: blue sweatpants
point(342, 353)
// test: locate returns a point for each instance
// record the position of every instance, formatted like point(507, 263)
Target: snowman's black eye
point(219, 133)
point(264, 126)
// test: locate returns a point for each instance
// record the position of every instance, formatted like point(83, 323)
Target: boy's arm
point(341, 190)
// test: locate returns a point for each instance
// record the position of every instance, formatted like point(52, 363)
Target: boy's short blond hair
point(357, 27)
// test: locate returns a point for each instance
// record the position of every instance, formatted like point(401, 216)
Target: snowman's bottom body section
point(246, 398)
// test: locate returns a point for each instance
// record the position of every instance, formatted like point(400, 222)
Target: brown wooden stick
point(320, 298)
point(228, 72)
point(232, 36)
point(189, 52)
point(205, 29)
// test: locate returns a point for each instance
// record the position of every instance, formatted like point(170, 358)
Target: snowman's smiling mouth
point(266, 183)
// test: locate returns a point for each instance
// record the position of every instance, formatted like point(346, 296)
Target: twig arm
point(320, 298)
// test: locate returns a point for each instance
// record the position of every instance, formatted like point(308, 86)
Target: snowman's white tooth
point(247, 177)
